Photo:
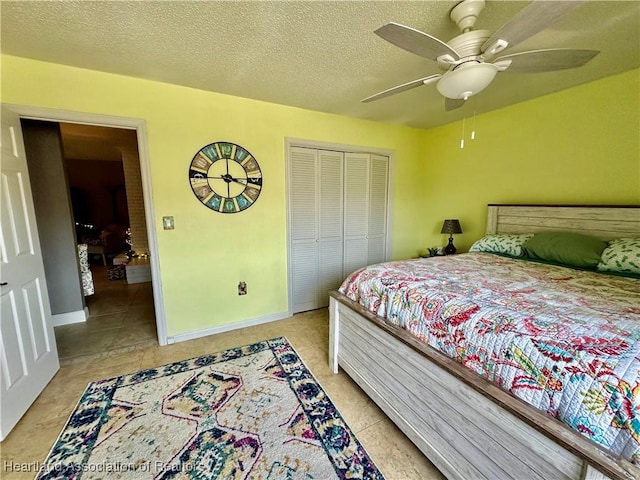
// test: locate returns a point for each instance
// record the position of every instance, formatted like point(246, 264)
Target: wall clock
point(225, 177)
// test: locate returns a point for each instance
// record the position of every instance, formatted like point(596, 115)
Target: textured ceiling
point(318, 55)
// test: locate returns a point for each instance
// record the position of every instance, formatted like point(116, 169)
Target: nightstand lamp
point(451, 226)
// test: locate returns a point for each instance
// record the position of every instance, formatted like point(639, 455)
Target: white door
point(365, 218)
point(356, 208)
point(377, 225)
point(28, 354)
point(303, 204)
point(330, 223)
point(316, 205)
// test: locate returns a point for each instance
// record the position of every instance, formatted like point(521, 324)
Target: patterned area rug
point(253, 412)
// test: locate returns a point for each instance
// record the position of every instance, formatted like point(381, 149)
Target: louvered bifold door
point(304, 228)
point(356, 202)
point(377, 224)
point(330, 222)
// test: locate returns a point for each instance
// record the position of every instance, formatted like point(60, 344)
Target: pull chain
point(473, 127)
point(462, 138)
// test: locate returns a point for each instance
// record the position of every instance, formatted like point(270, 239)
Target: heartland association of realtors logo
point(148, 466)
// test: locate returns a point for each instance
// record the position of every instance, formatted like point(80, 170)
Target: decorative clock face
point(225, 177)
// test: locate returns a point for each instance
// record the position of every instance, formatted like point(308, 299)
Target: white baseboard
point(181, 337)
point(70, 317)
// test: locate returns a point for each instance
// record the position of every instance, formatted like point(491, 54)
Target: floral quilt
point(565, 341)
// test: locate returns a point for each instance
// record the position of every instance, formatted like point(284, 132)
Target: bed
point(468, 426)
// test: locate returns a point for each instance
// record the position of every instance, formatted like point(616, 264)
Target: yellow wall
point(208, 253)
point(578, 146)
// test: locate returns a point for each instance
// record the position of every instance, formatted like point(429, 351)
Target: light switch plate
point(167, 223)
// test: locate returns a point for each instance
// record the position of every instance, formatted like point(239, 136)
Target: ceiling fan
point(468, 60)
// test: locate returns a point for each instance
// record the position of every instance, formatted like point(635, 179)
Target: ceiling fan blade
point(415, 41)
point(402, 88)
point(536, 16)
point(547, 60)
point(453, 103)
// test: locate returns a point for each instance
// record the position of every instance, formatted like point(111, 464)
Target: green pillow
point(565, 248)
point(508, 244)
point(622, 255)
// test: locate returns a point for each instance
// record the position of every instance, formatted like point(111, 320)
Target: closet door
point(303, 205)
point(356, 209)
point(338, 216)
point(377, 221)
point(330, 223)
point(316, 226)
point(365, 218)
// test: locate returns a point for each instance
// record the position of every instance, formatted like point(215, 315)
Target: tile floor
point(119, 338)
point(121, 318)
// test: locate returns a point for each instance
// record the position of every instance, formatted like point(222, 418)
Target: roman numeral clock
point(225, 177)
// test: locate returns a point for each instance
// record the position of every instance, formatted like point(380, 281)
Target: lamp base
point(450, 249)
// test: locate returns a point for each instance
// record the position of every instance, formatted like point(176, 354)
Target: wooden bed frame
point(467, 426)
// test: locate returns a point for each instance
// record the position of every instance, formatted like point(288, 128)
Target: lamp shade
point(451, 225)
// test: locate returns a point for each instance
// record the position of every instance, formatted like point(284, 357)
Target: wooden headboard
point(602, 221)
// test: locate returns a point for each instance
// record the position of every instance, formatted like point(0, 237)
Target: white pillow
point(507, 244)
point(621, 255)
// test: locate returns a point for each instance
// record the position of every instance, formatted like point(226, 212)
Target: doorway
point(100, 171)
point(103, 173)
point(116, 304)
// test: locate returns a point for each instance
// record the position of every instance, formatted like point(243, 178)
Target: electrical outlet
point(242, 288)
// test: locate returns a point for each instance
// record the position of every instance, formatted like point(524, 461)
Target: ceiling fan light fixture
point(466, 80)
point(467, 60)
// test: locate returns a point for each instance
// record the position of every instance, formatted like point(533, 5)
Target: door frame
point(339, 147)
point(139, 125)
